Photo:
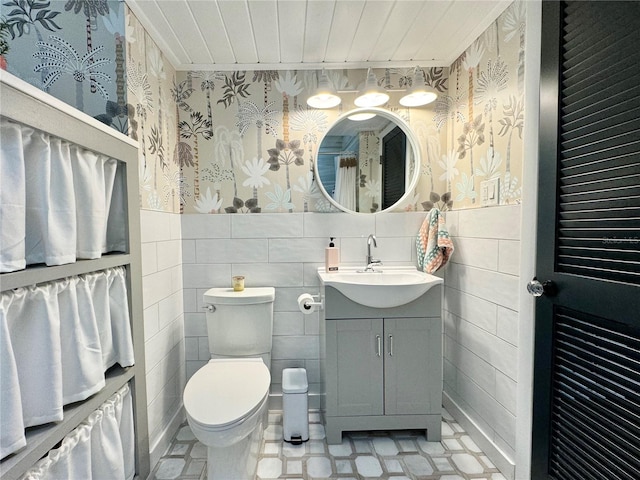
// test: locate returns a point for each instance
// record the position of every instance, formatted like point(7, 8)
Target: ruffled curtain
point(58, 202)
point(99, 449)
point(57, 340)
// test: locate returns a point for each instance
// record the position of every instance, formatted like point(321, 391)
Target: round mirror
point(368, 161)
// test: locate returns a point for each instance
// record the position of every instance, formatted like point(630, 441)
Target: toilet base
point(240, 460)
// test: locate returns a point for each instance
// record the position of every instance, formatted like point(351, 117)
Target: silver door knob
point(537, 288)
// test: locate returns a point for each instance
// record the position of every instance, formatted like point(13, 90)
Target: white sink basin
point(387, 288)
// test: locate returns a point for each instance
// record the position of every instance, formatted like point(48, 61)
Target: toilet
point(226, 400)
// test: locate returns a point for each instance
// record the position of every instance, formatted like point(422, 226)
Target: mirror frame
point(411, 140)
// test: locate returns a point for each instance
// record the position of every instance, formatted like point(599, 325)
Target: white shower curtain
point(346, 176)
point(57, 202)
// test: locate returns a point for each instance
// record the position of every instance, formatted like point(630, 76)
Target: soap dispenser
point(331, 257)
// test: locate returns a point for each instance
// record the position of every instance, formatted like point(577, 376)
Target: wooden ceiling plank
point(264, 22)
point(401, 16)
point(314, 33)
point(237, 22)
point(154, 21)
point(291, 21)
point(419, 34)
point(454, 24)
point(343, 28)
point(212, 27)
point(465, 19)
point(317, 28)
point(372, 23)
point(180, 31)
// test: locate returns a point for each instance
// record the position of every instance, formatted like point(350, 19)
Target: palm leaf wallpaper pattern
point(245, 141)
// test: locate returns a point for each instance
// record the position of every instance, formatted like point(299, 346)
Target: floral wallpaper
point(155, 97)
point(245, 141)
point(248, 140)
point(72, 49)
point(483, 113)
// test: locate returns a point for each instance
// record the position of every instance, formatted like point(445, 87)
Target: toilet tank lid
point(227, 296)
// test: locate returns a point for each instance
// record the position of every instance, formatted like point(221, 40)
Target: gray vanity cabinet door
point(355, 367)
point(413, 366)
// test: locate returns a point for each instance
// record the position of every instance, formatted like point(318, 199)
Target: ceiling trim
point(227, 67)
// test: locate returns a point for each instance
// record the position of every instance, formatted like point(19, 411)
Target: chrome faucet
point(371, 262)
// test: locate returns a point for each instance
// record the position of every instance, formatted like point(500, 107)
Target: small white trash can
point(295, 417)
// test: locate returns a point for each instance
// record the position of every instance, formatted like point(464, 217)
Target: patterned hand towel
point(433, 243)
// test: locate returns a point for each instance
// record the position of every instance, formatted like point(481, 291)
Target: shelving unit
point(28, 105)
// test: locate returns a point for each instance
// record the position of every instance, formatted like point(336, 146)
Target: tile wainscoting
point(481, 320)
point(163, 325)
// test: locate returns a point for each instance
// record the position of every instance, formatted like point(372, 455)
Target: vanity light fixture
point(325, 95)
point(372, 95)
point(419, 94)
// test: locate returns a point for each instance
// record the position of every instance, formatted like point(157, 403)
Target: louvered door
point(587, 350)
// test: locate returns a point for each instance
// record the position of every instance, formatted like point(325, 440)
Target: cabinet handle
point(378, 345)
point(391, 345)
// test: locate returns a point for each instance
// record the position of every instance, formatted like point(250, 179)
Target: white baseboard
point(163, 441)
point(497, 456)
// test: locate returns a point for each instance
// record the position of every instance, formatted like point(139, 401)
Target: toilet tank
point(241, 323)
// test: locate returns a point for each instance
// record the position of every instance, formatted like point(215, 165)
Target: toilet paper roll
point(306, 304)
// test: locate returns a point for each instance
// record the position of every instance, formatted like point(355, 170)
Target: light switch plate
point(490, 192)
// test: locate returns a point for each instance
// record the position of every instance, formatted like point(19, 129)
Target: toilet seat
point(225, 392)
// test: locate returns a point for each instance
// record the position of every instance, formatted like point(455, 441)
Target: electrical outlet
point(490, 192)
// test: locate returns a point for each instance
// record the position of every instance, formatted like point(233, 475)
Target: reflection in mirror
point(367, 161)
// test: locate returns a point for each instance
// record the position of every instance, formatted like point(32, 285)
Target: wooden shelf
point(42, 273)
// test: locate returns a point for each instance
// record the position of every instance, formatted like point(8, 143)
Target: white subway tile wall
point(283, 251)
point(481, 319)
point(164, 324)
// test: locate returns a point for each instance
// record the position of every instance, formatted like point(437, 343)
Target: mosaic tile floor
point(400, 455)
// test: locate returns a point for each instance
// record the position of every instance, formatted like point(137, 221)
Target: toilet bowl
point(226, 406)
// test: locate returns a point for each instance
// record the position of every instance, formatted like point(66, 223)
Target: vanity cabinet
point(382, 367)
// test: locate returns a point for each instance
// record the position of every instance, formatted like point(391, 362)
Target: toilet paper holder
point(308, 302)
